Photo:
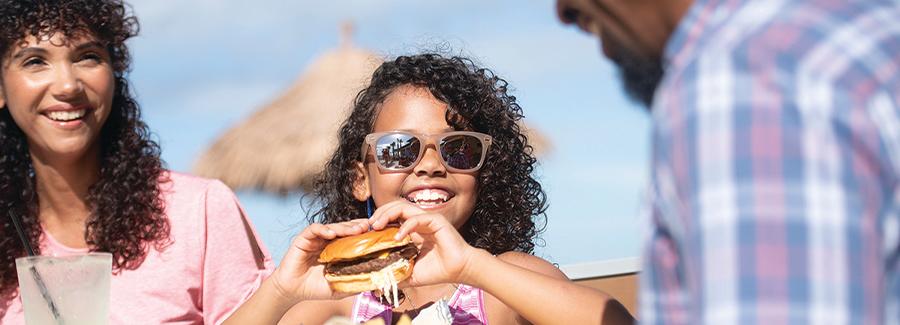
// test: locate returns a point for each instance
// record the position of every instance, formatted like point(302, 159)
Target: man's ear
point(2, 98)
point(361, 183)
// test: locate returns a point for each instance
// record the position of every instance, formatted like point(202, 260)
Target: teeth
point(429, 196)
point(65, 116)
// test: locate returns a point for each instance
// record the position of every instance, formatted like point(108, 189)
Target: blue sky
point(200, 66)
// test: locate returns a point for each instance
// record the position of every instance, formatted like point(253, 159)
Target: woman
point(77, 165)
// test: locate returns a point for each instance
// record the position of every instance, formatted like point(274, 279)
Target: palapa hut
point(282, 146)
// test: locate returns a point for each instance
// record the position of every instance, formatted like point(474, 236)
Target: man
point(776, 155)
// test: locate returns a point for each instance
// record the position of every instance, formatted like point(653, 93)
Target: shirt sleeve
point(235, 260)
point(771, 187)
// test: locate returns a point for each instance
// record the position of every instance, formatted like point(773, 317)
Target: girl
point(79, 169)
point(434, 142)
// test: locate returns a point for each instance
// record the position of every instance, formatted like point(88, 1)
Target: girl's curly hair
point(509, 199)
point(126, 209)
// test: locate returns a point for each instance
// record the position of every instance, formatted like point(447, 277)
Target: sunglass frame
point(372, 139)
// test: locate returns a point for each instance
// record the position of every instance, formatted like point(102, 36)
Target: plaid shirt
point(776, 157)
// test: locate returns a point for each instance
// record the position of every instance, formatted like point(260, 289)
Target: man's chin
point(640, 74)
point(640, 77)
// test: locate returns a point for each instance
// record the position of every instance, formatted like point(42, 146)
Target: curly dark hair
point(509, 199)
point(127, 212)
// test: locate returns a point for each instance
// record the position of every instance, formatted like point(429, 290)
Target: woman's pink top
point(466, 307)
point(214, 262)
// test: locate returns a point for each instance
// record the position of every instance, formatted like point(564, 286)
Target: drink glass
point(77, 286)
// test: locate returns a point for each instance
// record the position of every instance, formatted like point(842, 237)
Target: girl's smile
point(428, 184)
point(429, 197)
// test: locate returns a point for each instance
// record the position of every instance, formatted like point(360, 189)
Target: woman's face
point(415, 110)
point(59, 92)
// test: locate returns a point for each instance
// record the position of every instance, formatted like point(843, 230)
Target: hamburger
point(369, 261)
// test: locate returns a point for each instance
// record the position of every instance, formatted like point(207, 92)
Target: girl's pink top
point(466, 307)
point(213, 263)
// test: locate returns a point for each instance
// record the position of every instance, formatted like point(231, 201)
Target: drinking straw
point(42, 287)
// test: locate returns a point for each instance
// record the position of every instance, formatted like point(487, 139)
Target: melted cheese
point(387, 283)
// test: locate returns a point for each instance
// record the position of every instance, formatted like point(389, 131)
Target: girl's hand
point(444, 256)
point(300, 276)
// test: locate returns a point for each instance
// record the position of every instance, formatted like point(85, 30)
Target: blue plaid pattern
point(776, 155)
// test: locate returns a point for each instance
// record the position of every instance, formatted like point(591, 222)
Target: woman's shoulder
point(195, 198)
point(180, 181)
point(206, 216)
point(531, 262)
point(185, 186)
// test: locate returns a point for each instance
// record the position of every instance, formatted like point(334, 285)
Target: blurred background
point(204, 67)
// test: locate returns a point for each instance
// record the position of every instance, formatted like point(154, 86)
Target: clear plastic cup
point(70, 290)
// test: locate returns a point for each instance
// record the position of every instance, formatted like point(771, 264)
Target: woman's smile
point(66, 117)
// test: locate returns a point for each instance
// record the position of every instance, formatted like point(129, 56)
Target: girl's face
point(59, 92)
point(415, 110)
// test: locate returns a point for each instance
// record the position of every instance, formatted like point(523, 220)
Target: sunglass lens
point(396, 151)
point(461, 151)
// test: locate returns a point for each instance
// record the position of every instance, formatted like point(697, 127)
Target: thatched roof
point(282, 146)
point(542, 145)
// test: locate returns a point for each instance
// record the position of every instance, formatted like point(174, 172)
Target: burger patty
point(372, 263)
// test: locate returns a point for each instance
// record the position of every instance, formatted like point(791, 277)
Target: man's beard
point(640, 77)
point(640, 74)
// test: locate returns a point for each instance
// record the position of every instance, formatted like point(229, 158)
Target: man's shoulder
point(785, 40)
point(790, 33)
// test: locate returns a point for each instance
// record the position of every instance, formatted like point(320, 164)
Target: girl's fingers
point(421, 224)
point(407, 227)
point(313, 238)
point(396, 210)
point(380, 218)
point(360, 225)
point(409, 215)
point(349, 228)
point(363, 223)
point(318, 231)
